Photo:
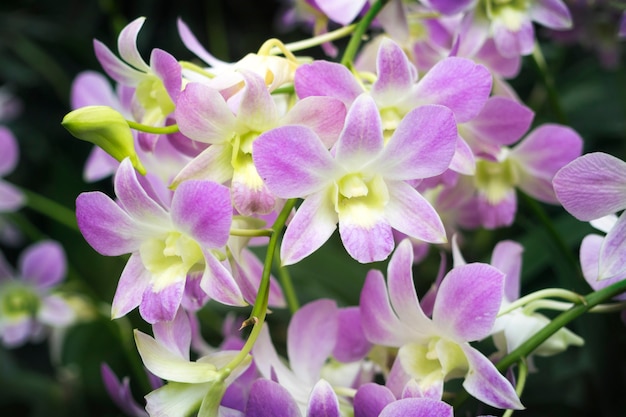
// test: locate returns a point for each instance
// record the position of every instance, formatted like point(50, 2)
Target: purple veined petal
point(115, 67)
point(514, 43)
point(99, 165)
point(366, 234)
point(468, 301)
point(397, 379)
point(422, 145)
point(323, 401)
point(362, 136)
point(402, 289)
point(463, 160)
point(250, 195)
point(417, 407)
point(396, 74)
point(271, 366)
point(341, 11)
point(127, 45)
point(91, 88)
point(410, 213)
point(257, 109)
point(590, 258)
point(106, 227)
point(506, 67)
point(43, 264)
point(612, 261)
point(119, 392)
point(450, 7)
point(311, 337)
point(192, 43)
point(551, 13)
point(351, 345)
point(203, 115)
point(592, 186)
point(507, 257)
point(393, 19)
point(135, 200)
point(324, 78)
point(457, 83)
point(10, 151)
point(219, 284)
point(175, 335)
point(380, 324)
point(167, 68)
point(249, 271)
point(267, 398)
point(370, 399)
point(11, 198)
point(500, 214)
point(293, 161)
point(502, 121)
point(202, 210)
point(134, 281)
point(312, 225)
point(212, 164)
point(56, 312)
point(541, 154)
point(484, 382)
point(324, 115)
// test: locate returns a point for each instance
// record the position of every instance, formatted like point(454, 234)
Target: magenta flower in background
point(11, 198)
point(166, 243)
point(360, 185)
point(28, 305)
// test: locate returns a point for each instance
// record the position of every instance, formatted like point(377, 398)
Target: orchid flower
point(11, 198)
point(361, 185)
point(28, 305)
point(435, 350)
point(166, 244)
point(373, 400)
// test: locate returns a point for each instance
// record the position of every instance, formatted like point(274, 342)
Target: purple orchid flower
point(434, 350)
point(11, 199)
point(166, 244)
point(361, 185)
point(373, 400)
point(28, 306)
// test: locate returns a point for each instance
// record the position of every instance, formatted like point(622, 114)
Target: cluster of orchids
point(226, 173)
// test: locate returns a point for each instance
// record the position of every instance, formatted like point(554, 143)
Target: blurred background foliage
point(44, 44)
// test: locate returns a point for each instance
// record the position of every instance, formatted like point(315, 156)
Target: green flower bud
point(106, 128)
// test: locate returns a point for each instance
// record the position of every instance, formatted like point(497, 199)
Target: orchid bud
point(106, 128)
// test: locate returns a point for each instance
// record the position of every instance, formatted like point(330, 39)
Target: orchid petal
point(341, 11)
point(55, 311)
point(127, 45)
point(324, 115)
point(175, 335)
point(167, 68)
point(463, 160)
point(590, 258)
point(592, 186)
point(511, 43)
point(10, 151)
point(370, 399)
point(11, 198)
point(367, 236)
point(212, 164)
point(219, 283)
point(507, 257)
point(553, 14)
point(115, 67)
point(351, 344)
point(257, 109)
point(176, 399)
point(417, 407)
point(267, 398)
point(323, 78)
point(396, 74)
point(133, 282)
point(468, 301)
point(323, 401)
point(43, 264)
point(192, 43)
point(612, 261)
point(91, 88)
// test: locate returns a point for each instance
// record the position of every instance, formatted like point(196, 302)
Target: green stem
point(251, 232)
point(287, 284)
point(521, 382)
point(51, 209)
point(164, 130)
point(359, 32)
point(548, 81)
point(538, 295)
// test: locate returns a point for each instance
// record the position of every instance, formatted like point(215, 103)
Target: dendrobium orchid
point(11, 198)
point(166, 243)
point(361, 184)
point(435, 350)
point(28, 305)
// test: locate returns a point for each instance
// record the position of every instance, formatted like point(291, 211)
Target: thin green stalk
point(51, 209)
point(521, 382)
point(548, 80)
point(287, 284)
point(164, 130)
point(359, 32)
point(250, 232)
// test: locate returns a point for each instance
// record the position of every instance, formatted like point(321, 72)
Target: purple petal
point(161, 304)
point(506, 67)
point(362, 137)
point(551, 13)
point(592, 186)
point(17, 332)
point(421, 146)
point(484, 382)
point(203, 115)
point(134, 198)
point(341, 11)
point(541, 154)
point(410, 213)
point(370, 399)
point(366, 240)
point(324, 115)
point(468, 300)
point(167, 68)
point(202, 210)
point(450, 7)
point(396, 74)
point(612, 261)
point(323, 401)
point(120, 392)
point(43, 264)
point(56, 312)
point(514, 43)
point(92, 88)
point(99, 165)
point(127, 44)
point(267, 398)
point(293, 161)
point(351, 345)
point(10, 151)
point(590, 258)
point(105, 226)
point(115, 67)
point(458, 84)
point(323, 78)
point(250, 196)
point(219, 284)
point(463, 160)
point(311, 337)
point(175, 335)
point(133, 282)
point(192, 43)
point(313, 224)
point(417, 407)
point(507, 257)
point(11, 198)
point(500, 214)
point(257, 109)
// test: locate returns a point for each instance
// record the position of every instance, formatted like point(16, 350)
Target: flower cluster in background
point(344, 227)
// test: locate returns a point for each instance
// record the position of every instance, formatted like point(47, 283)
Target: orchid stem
point(51, 208)
point(164, 130)
point(251, 232)
point(359, 32)
point(548, 81)
point(287, 284)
